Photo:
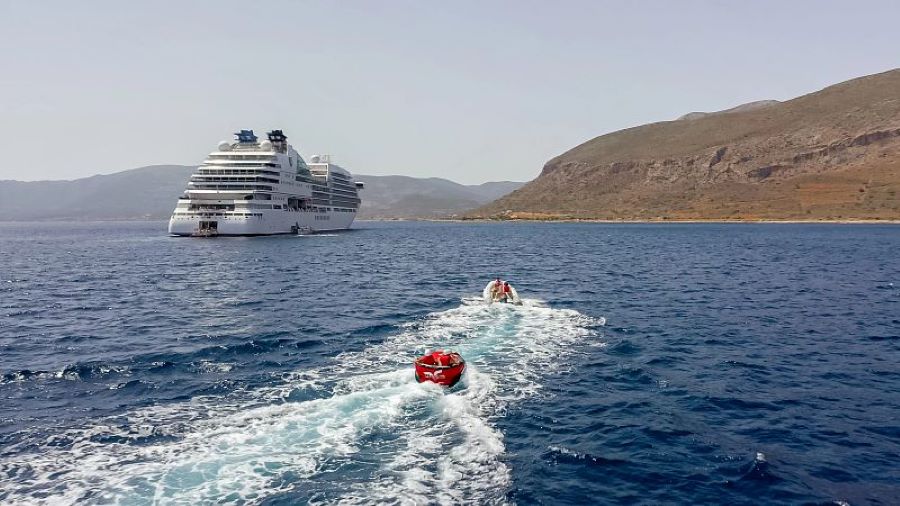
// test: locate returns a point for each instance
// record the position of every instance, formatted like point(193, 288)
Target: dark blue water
point(650, 364)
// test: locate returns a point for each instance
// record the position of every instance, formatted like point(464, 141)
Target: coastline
point(507, 220)
point(592, 220)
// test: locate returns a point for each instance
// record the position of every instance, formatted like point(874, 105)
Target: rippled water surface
point(676, 364)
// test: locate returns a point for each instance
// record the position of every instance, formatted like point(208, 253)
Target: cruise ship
point(252, 187)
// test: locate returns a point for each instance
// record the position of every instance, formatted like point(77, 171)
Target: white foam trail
point(396, 439)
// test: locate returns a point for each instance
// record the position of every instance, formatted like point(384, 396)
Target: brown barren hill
point(829, 155)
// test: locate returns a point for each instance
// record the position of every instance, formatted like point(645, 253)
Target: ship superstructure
point(252, 187)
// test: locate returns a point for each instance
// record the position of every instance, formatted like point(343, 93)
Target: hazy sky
point(470, 91)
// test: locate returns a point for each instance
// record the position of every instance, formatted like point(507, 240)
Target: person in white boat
point(496, 289)
point(506, 292)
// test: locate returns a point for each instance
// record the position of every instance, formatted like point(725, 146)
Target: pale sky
point(472, 91)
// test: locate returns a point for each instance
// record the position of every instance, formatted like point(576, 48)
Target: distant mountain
point(410, 197)
point(833, 154)
point(144, 193)
point(150, 193)
point(496, 189)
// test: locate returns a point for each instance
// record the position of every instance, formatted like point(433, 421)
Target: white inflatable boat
point(501, 292)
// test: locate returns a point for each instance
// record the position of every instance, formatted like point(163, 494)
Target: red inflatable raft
point(441, 368)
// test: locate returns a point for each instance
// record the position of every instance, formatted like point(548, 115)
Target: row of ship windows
point(233, 214)
point(317, 206)
point(207, 215)
point(336, 202)
point(231, 187)
point(235, 172)
point(257, 179)
point(225, 207)
point(335, 179)
point(324, 200)
point(325, 195)
point(221, 180)
point(222, 156)
point(231, 166)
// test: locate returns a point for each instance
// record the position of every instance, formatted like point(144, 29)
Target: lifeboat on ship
point(443, 368)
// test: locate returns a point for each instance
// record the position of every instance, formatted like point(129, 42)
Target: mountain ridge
point(150, 192)
point(749, 106)
point(831, 154)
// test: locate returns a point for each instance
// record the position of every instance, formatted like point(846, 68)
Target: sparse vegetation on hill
point(832, 155)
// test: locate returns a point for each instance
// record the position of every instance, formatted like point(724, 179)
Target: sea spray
point(362, 418)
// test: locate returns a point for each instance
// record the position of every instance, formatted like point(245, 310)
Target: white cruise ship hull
point(262, 222)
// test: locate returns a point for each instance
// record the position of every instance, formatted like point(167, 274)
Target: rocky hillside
point(833, 154)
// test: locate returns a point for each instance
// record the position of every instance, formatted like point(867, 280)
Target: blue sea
point(649, 364)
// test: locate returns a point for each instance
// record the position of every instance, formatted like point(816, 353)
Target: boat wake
point(358, 430)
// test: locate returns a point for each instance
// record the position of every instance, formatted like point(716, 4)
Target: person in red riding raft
point(441, 367)
point(506, 292)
